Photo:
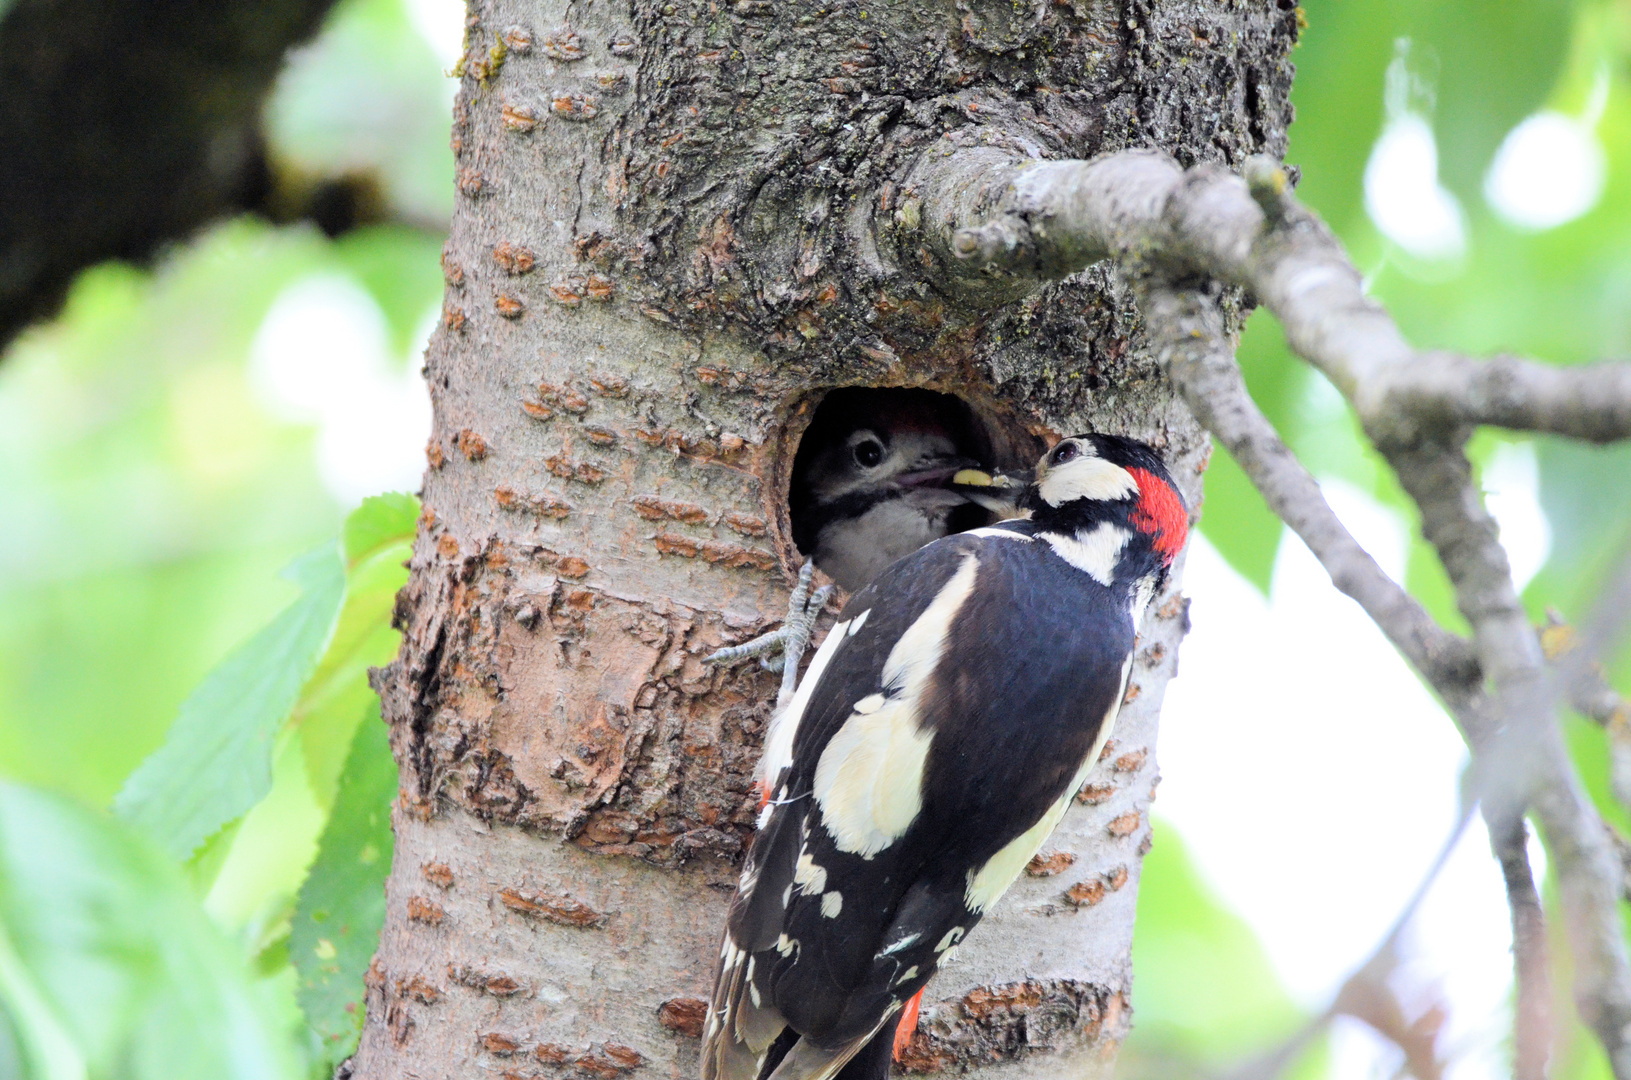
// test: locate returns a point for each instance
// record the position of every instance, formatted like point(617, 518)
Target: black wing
point(951, 723)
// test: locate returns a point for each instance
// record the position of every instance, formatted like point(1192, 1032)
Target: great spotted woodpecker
point(874, 479)
point(936, 740)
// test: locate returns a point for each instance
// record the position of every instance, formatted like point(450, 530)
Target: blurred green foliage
point(108, 970)
point(149, 498)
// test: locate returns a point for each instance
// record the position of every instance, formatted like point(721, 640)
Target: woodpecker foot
point(782, 648)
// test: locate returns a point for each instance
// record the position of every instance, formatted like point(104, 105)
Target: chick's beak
point(937, 472)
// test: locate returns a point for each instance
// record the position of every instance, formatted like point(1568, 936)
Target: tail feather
point(739, 1030)
point(863, 1058)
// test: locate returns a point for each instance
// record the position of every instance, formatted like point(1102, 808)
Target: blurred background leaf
point(110, 965)
point(216, 762)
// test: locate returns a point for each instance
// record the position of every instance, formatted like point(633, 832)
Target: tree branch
point(1015, 223)
point(1531, 965)
point(1187, 335)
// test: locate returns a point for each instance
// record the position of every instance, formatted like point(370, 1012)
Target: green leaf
point(216, 762)
point(382, 522)
point(253, 884)
point(1238, 522)
point(108, 968)
point(342, 906)
point(377, 540)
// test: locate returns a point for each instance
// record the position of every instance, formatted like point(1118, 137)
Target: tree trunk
point(679, 224)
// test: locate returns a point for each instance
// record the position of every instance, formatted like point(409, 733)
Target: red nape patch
point(764, 793)
point(908, 1024)
point(1160, 513)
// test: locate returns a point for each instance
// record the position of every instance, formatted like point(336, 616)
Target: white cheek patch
point(1096, 553)
point(1086, 477)
point(869, 780)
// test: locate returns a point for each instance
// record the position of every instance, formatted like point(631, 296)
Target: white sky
point(1314, 781)
point(321, 357)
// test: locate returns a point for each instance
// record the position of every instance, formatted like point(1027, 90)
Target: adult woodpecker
point(936, 740)
point(874, 479)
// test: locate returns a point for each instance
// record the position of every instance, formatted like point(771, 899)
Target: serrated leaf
point(257, 877)
point(108, 967)
point(216, 761)
point(382, 521)
point(342, 905)
point(377, 540)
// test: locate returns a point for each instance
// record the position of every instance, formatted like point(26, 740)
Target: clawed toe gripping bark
point(781, 649)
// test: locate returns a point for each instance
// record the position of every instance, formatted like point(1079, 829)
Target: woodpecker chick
point(938, 737)
point(873, 479)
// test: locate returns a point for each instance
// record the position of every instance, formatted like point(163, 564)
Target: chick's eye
point(1065, 453)
point(868, 453)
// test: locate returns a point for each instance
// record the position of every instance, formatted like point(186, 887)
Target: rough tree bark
point(680, 222)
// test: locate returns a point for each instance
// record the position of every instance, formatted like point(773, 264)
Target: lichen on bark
point(679, 223)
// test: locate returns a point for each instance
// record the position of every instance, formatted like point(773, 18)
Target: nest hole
point(870, 479)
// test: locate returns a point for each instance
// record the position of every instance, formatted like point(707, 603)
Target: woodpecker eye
point(868, 453)
point(1065, 452)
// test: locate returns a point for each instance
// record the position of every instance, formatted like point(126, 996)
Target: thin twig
point(1187, 334)
point(1531, 964)
point(1365, 994)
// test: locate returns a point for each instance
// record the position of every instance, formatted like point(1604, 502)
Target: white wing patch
point(784, 726)
point(1096, 553)
point(869, 781)
point(810, 878)
point(987, 884)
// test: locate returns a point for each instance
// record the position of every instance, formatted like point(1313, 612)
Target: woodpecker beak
point(941, 472)
point(996, 491)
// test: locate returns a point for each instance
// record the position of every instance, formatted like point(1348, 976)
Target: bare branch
point(1519, 749)
point(1014, 223)
point(1019, 222)
point(1187, 334)
point(1530, 961)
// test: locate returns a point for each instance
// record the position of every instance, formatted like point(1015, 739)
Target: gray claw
point(788, 641)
